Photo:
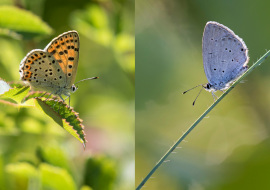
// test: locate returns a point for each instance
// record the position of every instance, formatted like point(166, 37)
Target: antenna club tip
point(184, 92)
point(96, 77)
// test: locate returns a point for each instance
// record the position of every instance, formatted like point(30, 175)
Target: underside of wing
point(225, 55)
point(65, 49)
point(41, 70)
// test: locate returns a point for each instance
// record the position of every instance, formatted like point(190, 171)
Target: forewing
point(65, 49)
point(225, 55)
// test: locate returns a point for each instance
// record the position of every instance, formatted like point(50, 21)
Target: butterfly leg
point(62, 98)
point(214, 96)
point(55, 96)
point(48, 96)
point(68, 97)
point(43, 94)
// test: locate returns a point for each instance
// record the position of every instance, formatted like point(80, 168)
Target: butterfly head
point(73, 88)
point(208, 87)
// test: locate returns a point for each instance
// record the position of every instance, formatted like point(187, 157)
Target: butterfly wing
point(65, 49)
point(42, 71)
point(225, 55)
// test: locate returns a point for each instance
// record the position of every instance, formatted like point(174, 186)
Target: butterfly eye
point(73, 88)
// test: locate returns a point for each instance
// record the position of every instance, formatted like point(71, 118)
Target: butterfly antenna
point(192, 88)
point(87, 79)
point(197, 97)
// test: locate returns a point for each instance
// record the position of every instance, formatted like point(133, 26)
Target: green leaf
point(22, 22)
point(59, 111)
point(53, 155)
point(34, 94)
point(64, 116)
point(21, 174)
point(100, 173)
point(16, 94)
point(56, 178)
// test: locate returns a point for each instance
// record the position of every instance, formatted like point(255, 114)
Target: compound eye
point(74, 88)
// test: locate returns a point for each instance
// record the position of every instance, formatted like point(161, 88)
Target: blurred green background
point(229, 149)
point(36, 153)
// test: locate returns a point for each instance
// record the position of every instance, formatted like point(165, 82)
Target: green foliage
point(86, 188)
point(52, 174)
point(100, 173)
point(22, 175)
point(94, 22)
point(22, 22)
point(16, 94)
point(62, 114)
point(55, 178)
point(34, 152)
point(53, 155)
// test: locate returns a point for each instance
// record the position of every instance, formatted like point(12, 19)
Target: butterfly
point(54, 68)
point(225, 57)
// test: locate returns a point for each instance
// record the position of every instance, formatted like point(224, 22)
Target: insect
point(225, 57)
point(54, 68)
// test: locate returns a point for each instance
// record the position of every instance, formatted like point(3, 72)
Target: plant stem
point(199, 119)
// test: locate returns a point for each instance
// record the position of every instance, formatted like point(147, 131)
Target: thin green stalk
point(199, 119)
